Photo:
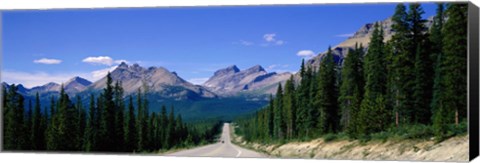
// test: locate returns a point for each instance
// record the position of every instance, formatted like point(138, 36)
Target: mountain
point(231, 81)
point(72, 86)
point(49, 87)
point(157, 80)
point(20, 88)
point(76, 84)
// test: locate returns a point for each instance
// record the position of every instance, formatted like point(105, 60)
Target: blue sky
point(40, 46)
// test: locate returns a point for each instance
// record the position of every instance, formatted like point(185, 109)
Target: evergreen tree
point(170, 139)
point(28, 127)
point(422, 90)
point(119, 117)
point(351, 89)
point(91, 129)
point(164, 129)
point(38, 136)
point(131, 129)
point(290, 107)
point(450, 92)
point(373, 114)
point(402, 66)
point(278, 116)
point(327, 96)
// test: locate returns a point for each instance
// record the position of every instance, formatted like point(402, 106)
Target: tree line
point(418, 77)
point(110, 123)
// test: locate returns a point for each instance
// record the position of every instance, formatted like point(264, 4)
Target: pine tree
point(164, 129)
point(119, 117)
point(28, 127)
point(402, 66)
point(422, 90)
point(107, 125)
point(131, 129)
point(327, 96)
point(170, 139)
point(278, 116)
point(38, 136)
point(290, 106)
point(91, 129)
point(14, 128)
point(140, 120)
point(52, 128)
point(351, 89)
point(450, 92)
point(373, 114)
point(302, 101)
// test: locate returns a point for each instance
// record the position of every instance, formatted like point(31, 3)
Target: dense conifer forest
point(107, 124)
point(412, 86)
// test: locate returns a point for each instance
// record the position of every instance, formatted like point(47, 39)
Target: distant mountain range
point(225, 82)
point(231, 81)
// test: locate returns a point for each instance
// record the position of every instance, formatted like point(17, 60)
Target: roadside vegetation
point(410, 87)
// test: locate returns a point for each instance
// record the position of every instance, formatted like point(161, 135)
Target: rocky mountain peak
point(123, 65)
point(256, 68)
point(231, 80)
point(228, 70)
point(76, 84)
point(157, 79)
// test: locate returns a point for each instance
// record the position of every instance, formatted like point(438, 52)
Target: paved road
point(219, 149)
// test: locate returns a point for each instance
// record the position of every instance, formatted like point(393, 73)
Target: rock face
point(49, 87)
point(72, 86)
point(155, 79)
point(230, 81)
point(76, 84)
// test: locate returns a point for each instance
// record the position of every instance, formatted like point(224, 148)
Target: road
point(219, 149)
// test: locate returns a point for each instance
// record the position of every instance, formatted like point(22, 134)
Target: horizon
point(194, 42)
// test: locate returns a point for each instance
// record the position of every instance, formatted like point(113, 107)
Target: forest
point(111, 123)
point(413, 86)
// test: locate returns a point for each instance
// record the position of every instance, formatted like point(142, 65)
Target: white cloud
point(103, 60)
point(306, 53)
point(98, 74)
point(269, 37)
point(198, 81)
point(32, 79)
point(345, 35)
point(47, 61)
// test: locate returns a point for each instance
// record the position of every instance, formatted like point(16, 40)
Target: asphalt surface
point(219, 149)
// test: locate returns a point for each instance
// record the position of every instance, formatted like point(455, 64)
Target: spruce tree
point(327, 95)
point(351, 89)
point(449, 103)
point(91, 129)
point(402, 66)
point(290, 107)
point(422, 90)
point(131, 129)
point(38, 137)
point(278, 115)
point(373, 114)
point(28, 127)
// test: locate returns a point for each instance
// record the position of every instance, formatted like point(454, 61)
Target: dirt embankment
point(453, 149)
